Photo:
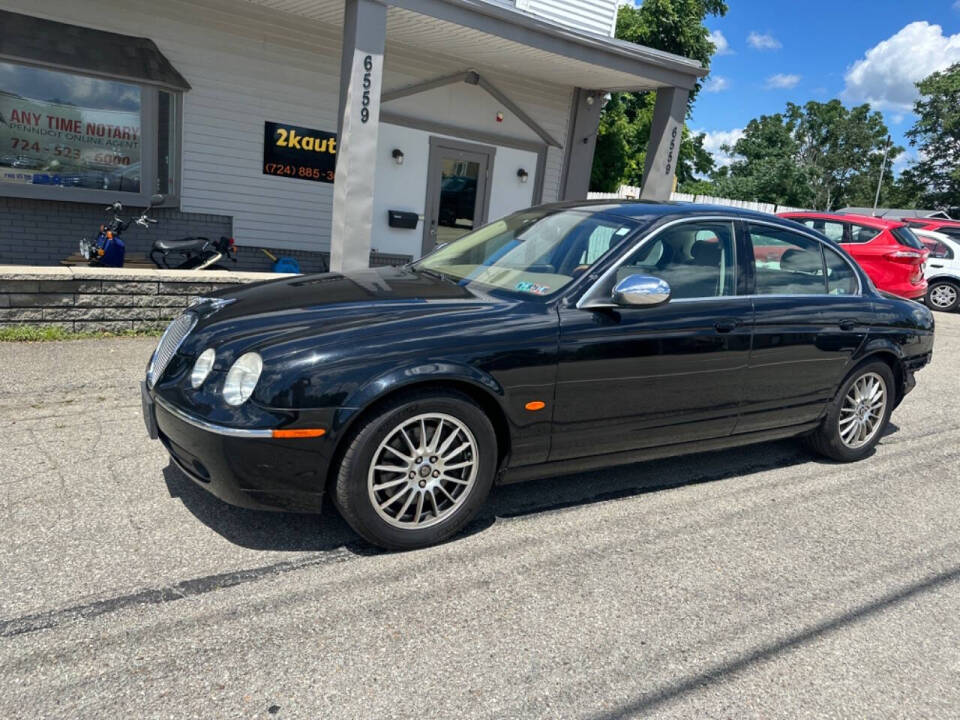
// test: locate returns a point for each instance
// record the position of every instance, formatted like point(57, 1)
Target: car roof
point(934, 235)
point(939, 223)
point(868, 220)
point(647, 208)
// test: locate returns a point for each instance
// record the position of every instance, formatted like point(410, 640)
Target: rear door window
point(862, 233)
point(830, 228)
point(841, 279)
point(938, 249)
point(786, 263)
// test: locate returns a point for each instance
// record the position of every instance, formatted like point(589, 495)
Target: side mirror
point(636, 290)
point(157, 200)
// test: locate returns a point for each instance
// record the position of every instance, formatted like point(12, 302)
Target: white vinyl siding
point(247, 65)
point(595, 16)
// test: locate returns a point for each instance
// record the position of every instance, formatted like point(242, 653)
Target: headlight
point(242, 379)
point(202, 367)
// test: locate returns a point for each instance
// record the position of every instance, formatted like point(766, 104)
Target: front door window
point(456, 193)
point(458, 199)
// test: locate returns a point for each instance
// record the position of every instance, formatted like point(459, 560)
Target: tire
point(393, 517)
point(943, 295)
point(838, 437)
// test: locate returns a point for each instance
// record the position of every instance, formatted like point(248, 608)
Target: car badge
point(212, 304)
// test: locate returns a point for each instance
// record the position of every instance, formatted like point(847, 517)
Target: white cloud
point(902, 161)
point(762, 41)
point(714, 140)
point(885, 76)
point(782, 81)
point(956, 5)
point(720, 42)
point(717, 83)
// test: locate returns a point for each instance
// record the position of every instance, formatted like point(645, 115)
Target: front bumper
point(247, 470)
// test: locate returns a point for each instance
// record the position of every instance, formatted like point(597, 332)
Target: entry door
point(458, 190)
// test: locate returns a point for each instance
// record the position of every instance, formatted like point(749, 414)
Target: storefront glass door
point(458, 191)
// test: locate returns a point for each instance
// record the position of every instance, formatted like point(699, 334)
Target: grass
point(40, 333)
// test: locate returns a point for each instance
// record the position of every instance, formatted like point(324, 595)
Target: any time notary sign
point(299, 152)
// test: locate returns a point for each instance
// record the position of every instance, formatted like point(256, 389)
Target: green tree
point(841, 150)
point(819, 155)
point(675, 26)
point(766, 167)
point(937, 135)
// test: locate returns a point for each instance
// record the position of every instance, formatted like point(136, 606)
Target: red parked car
point(950, 228)
point(887, 250)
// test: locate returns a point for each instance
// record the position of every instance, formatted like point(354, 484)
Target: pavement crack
point(178, 591)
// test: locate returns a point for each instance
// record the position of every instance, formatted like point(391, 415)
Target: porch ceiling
point(473, 33)
point(473, 48)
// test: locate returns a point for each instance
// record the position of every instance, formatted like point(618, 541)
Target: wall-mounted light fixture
point(523, 175)
point(398, 156)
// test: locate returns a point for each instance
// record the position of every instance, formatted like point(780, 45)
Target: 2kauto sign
point(299, 152)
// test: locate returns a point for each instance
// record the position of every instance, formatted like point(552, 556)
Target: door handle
point(848, 324)
point(937, 265)
point(725, 326)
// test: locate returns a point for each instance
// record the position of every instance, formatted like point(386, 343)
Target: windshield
point(535, 252)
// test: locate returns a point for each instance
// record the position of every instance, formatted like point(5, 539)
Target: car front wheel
point(858, 415)
point(943, 295)
point(417, 471)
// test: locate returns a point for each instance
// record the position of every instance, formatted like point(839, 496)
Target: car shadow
point(260, 529)
point(283, 531)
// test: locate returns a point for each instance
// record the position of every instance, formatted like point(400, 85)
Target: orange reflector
point(535, 405)
point(300, 433)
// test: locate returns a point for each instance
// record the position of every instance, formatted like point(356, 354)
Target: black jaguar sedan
point(560, 339)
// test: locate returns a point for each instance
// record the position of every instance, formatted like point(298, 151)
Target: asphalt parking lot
point(759, 582)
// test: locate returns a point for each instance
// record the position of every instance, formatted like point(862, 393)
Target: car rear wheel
point(858, 415)
point(416, 472)
point(943, 295)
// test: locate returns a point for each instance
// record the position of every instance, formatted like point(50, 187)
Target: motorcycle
point(194, 253)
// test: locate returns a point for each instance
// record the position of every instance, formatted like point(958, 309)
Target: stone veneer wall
point(84, 298)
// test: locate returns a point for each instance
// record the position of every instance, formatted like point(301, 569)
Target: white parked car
point(943, 270)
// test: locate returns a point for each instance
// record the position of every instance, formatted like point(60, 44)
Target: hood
point(389, 284)
point(381, 300)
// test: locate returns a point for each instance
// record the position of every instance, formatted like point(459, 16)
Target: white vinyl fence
point(629, 192)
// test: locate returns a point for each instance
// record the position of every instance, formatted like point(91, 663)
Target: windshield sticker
point(532, 287)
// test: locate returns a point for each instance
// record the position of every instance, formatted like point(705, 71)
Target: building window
point(71, 136)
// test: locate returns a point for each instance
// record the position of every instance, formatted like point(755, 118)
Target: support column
point(581, 144)
point(361, 81)
point(664, 148)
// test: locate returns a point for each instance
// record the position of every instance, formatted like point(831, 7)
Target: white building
point(450, 112)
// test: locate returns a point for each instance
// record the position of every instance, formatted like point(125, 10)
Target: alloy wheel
point(863, 410)
point(943, 295)
point(423, 471)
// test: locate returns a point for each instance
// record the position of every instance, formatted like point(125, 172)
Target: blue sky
point(774, 51)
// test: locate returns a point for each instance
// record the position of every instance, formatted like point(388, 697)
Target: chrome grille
point(171, 341)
